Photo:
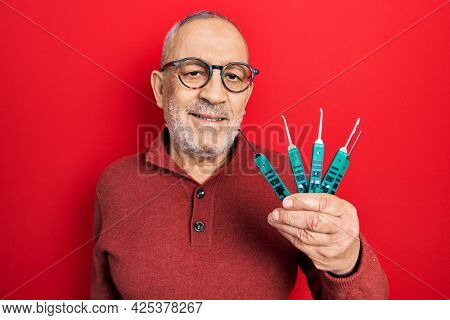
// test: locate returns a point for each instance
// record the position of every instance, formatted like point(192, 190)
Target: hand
point(322, 226)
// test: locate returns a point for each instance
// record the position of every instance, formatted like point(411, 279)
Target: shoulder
point(119, 171)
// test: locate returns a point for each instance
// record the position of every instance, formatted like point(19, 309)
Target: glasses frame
point(177, 64)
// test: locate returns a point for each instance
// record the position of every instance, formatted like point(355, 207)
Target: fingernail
point(275, 215)
point(287, 203)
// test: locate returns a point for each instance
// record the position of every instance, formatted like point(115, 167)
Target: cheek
point(181, 96)
point(237, 103)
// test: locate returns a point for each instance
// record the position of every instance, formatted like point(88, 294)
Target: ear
point(156, 80)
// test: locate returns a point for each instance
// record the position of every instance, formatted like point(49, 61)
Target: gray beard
point(190, 140)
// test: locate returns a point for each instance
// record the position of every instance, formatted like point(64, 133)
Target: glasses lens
point(193, 73)
point(237, 77)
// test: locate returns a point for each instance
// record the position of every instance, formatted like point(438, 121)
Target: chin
point(212, 148)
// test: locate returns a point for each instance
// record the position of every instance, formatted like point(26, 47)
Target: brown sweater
point(161, 235)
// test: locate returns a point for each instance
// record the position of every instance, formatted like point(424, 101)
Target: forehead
point(215, 40)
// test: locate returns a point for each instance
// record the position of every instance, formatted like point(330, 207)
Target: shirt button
point(199, 226)
point(200, 193)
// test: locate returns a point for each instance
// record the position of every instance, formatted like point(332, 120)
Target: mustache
point(217, 110)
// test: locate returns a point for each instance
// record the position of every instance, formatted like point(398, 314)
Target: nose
point(214, 91)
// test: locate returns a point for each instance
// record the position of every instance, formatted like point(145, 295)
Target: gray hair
point(203, 14)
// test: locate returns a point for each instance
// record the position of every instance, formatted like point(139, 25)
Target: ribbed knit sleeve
point(367, 281)
point(102, 285)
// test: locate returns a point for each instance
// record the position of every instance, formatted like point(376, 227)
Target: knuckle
point(334, 237)
point(323, 202)
point(313, 221)
point(303, 235)
point(287, 218)
point(297, 242)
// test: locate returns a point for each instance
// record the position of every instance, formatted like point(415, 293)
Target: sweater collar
point(158, 155)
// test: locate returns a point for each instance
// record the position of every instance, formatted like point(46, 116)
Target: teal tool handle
point(316, 168)
point(335, 172)
point(271, 176)
point(298, 170)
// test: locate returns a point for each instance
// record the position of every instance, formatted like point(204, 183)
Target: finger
point(319, 202)
point(309, 220)
point(305, 236)
point(306, 249)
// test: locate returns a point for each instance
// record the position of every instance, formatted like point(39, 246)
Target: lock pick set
point(316, 184)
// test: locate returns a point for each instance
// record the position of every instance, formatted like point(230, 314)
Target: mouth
point(206, 117)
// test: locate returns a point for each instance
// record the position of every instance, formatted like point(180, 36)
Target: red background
point(70, 107)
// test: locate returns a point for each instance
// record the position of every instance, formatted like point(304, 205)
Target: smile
point(207, 117)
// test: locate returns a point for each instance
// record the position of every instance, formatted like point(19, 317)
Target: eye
point(233, 77)
point(191, 73)
point(194, 74)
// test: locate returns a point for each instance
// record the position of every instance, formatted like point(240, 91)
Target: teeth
point(208, 119)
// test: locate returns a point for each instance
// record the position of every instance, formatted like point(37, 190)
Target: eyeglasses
point(195, 73)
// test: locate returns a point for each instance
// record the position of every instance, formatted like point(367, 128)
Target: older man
point(191, 218)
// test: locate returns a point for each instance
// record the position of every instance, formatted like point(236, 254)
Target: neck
point(199, 169)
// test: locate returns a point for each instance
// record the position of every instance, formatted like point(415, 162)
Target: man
point(191, 218)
